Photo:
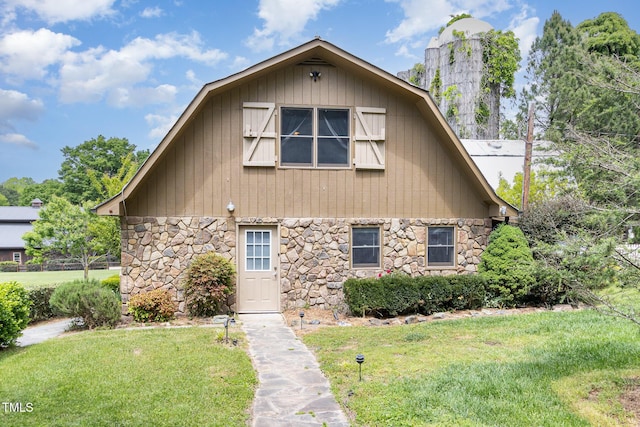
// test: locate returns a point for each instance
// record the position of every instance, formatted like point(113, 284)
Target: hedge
point(397, 294)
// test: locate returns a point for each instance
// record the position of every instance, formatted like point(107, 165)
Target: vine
point(451, 95)
point(501, 58)
point(417, 74)
point(436, 86)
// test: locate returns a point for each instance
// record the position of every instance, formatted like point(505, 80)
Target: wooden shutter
point(259, 134)
point(369, 138)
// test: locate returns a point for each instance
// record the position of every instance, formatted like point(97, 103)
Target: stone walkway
point(292, 390)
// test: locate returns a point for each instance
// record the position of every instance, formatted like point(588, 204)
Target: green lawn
point(157, 377)
point(544, 369)
point(41, 279)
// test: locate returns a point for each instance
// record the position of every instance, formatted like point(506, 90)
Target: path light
point(301, 316)
point(360, 360)
point(226, 330)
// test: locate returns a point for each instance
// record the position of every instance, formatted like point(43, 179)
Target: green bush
point(400, 294)
point(209, 279)
point(14, 312)
point(112, 282)
point(506, 264)
point(8, 266)
point(95, 304)
point(40, 307)
point(153, 306)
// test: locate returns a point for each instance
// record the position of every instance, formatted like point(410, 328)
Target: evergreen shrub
point(96, 305)
point(14, 312)
point(507, 265)
point(40, 307)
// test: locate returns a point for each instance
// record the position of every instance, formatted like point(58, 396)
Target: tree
point(43, 191)
point(561, 62)
point(541, 186)
point(587, 83)
point(66, 231)
point(13, 188)
point(100, 155)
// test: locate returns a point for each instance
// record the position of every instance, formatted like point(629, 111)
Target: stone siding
point(314, 252)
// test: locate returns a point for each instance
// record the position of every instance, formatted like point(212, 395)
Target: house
point(309, 168)
point(14, 222)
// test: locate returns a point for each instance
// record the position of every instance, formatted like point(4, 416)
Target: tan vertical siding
point(202, 169)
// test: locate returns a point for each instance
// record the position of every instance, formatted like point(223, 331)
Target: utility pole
point(528, 150)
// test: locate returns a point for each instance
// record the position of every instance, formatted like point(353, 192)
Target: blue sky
point(71, 70)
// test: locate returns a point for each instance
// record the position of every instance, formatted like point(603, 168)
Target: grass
point(525, 370)
point(41, 279)
point(158, 377)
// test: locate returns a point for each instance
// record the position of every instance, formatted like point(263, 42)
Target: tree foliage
point(67, 231)
point(541, 186)
point(506, 264)
point(97, 157)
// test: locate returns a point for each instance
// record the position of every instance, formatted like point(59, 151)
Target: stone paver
point(292, 390)
point(38, 333)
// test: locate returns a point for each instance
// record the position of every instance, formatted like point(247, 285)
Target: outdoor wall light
point(360, 360)
point(315, 75)
point(301, 316)
point(231, 207)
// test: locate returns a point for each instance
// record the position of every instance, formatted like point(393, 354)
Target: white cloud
point(16, 105)
point(54, 11)
point(404, 52)
point(160, 125)
point(417, 21)
point(284, 20)
point(152, 12)
point(17, 139)
point(90, 75)
point(240, 63)
point(139, 96)
point(27, 54)
point(524, 27)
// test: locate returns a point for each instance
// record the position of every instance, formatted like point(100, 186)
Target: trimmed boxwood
point(396, 294)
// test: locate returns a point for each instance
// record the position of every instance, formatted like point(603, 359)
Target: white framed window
point(258, 250)
point(365, 247)
point(441, 247)
point(17, 257)
point(314, 137)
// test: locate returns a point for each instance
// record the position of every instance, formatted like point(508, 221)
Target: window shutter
point(259, 134)
point(369, 138)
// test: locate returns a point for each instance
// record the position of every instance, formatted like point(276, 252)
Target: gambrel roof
point(316, 51)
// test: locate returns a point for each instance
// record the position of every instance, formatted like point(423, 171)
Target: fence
point(67, 266)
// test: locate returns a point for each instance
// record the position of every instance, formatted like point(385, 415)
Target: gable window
point(440, 247)
point(314, 137)
point(365, 247)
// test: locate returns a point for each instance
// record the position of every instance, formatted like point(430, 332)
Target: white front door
point(258, 281)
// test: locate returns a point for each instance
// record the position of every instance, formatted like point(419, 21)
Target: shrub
point(210, 278)
point(112, 282)
point(400, 294)
point(506, 265)
point(40, 307)
point(8, 266)
point(153, 306)
point(96, 305)
point(14, 312)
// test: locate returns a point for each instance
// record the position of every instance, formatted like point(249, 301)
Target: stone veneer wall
point(314, 252)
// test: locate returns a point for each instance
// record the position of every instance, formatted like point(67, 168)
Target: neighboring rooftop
point(494, 157)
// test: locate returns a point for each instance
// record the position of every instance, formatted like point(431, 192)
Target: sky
point(71, 70)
